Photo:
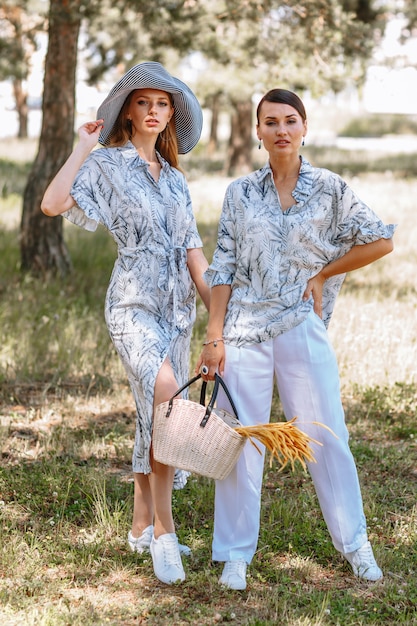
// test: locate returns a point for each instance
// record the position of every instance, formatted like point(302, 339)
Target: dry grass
point(374, 328)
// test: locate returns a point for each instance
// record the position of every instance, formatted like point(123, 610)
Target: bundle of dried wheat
point(284, 440)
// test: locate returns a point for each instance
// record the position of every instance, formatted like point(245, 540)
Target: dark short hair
point(283, 96)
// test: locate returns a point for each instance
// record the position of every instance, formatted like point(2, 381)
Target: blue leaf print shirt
point(268, 255)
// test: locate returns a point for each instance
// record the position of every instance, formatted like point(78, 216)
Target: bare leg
point(142, 505)
point(162, 478)
point(161, 481)
point(153, 492)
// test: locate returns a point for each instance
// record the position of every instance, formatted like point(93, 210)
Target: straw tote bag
point(193, 437)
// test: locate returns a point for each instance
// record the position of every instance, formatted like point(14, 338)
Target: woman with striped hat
point(134, 187)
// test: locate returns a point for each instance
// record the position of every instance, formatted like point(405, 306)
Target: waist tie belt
point(173, 271)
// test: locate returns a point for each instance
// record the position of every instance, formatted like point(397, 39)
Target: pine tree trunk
point(214, 124)
point(21, 99)
point(42, 246)
point(240, 143)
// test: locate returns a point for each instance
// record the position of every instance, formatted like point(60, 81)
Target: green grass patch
point(14, 176)
point(67, 424)
point(379, 124)
point(350, 163)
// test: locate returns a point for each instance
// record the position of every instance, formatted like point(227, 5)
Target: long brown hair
point(166, 143)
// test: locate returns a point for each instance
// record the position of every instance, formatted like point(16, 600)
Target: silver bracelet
point(213, 341)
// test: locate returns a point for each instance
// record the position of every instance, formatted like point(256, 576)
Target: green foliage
point(409, 8)
point(14, 176)
point(389, 407)
point(378, 125)
point(20, 23)
point(356, 162)
point(344, 162)
point(128, 32)
point(46, 339)
point(325, 43)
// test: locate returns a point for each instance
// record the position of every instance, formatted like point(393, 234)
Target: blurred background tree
point(41, 243)
point(233, 49)
point(20, 22)
point(409, 8)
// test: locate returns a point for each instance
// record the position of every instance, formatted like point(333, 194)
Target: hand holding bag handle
point(217, 380)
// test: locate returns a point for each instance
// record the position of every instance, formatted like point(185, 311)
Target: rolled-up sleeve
point(90, 192)
point(357, 223)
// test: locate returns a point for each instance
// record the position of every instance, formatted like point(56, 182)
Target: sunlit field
point(66, 434)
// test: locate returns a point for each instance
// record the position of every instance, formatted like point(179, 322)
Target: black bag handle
point(217, 381)
point(180, 390)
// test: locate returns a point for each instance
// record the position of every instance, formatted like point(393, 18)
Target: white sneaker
point(141, 544)
point(234, 575)
point(363, 563)
point(166, 558)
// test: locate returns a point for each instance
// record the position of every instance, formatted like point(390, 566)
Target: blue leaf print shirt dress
point(150, 302)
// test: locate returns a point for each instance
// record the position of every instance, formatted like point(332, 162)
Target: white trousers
point(303, 363)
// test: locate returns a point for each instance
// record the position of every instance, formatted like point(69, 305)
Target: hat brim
point(151, 75)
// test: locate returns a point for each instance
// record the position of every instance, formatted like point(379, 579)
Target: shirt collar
point(304, 181)
point(133, 159)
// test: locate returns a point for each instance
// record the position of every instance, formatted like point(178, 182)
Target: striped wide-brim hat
point(151, 75)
